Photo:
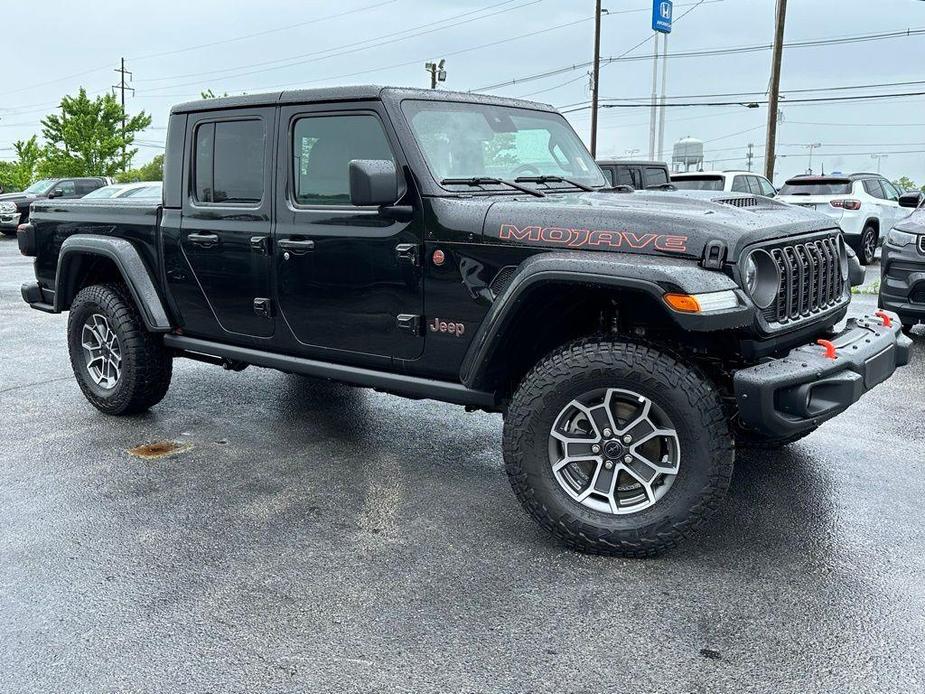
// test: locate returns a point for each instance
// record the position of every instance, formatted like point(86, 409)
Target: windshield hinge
point(714, 255)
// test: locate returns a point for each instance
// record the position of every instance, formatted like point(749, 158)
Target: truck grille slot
point(810, 280)
point(922, 244)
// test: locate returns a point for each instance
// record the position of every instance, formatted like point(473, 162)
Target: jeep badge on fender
point(632, 340)
point(442, 326)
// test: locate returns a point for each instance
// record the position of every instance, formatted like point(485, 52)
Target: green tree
point(87, 138)
point(905, 183)
point(18, 174)
point(209, 94)
point(152, 171)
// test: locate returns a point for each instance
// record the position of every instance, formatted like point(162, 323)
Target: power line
point(753, 104)
point(355, 47)
point(242, 37)
point(808, 43)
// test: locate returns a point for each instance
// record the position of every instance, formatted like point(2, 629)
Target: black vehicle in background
point(902, 265)
point(638, 174)
point(467, 249)
point(14, 207)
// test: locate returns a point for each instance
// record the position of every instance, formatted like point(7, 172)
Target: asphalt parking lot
point(312, 537)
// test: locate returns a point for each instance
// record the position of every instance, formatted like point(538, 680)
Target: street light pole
point(811, 147)
point(595, 78)
point(878, 157)
point(653, 111)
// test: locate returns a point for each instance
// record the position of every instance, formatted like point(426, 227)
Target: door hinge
point(409, 322)
point(263, 307)
point(408, 253)
point(261, 244)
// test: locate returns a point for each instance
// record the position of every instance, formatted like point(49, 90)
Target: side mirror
point(56, 193)
point(912, 200)
point(373, 182)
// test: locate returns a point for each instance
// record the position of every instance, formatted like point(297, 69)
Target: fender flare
point(651, 275)
point(130, 265)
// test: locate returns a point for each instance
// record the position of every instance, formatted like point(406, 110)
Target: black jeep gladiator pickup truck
point(468, 249)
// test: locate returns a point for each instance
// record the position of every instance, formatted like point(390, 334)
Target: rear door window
point(655, 176)
point(740, 184)
point(872, 186)
point(889, 190)
point(229, 162)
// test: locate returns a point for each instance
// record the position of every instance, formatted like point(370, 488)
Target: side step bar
point(399, 384)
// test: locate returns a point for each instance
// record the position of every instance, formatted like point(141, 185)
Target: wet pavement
point(311, 537)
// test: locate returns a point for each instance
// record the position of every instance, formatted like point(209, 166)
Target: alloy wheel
point(614, 451)
point(102, 351)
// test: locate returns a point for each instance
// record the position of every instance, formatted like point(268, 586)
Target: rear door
point(225, 228)
point(345, 274)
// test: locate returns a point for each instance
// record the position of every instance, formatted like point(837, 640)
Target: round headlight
point(761, 278)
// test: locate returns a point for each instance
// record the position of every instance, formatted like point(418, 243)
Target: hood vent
point(739, 202)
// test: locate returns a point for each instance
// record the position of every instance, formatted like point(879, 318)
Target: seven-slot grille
point(810, 279)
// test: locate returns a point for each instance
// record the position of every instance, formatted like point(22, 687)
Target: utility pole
point(437, 72)
point(774, 94)
point(653, 111)
point(123, 87)
point(661, 109)
point(596, 76)
point(750, 156)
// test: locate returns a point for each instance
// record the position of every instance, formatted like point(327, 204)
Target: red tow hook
point(885, 317)
point(829, 348)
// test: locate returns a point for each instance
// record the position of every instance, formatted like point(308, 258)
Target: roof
point(806, 178)
point(698, 173)
point(348, 93)
point(631, 162)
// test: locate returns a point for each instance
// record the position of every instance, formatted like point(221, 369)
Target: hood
point(17, 197)
point(914, 223)
point(648, 222)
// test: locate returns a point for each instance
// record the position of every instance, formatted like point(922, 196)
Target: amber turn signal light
point(683, 302)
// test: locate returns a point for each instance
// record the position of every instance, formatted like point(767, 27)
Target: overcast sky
point(177, 49)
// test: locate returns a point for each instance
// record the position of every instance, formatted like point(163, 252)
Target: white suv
point(865, 205)
point(730, 181)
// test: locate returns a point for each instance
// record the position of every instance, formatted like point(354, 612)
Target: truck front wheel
point(617, 447)
point(120, 367)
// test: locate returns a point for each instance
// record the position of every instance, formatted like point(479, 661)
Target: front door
point(225, 229)
point(345, 274)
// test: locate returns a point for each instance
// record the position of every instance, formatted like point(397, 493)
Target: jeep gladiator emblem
point(442, 326)
point(579, 238)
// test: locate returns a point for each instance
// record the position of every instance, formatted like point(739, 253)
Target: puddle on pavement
point(159, 449)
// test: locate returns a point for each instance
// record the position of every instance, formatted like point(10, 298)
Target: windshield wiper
point(487, 180)
point(553, 179)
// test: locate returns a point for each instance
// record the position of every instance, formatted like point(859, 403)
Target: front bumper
point(9, 220)
point(805, 388)
point(902, 282)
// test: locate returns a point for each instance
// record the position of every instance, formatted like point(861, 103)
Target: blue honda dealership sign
point(661, 16)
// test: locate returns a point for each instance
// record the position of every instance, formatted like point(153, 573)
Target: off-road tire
point(862, 248)
point(146, 364)
point(685, 394)
point(756, 440)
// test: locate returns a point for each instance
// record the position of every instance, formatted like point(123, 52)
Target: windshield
point(40, 187)
point(105, 192)
point(462, 140)
point(816, 188)
point(144, 192)
point(697, 182)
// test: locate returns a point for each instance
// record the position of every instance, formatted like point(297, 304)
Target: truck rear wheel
point(617, 447)
point(120, 367)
